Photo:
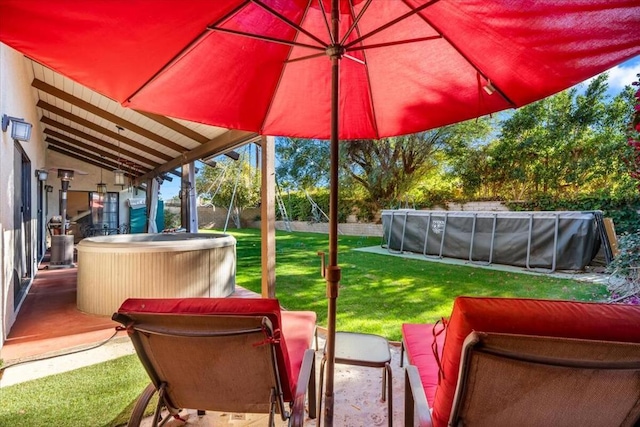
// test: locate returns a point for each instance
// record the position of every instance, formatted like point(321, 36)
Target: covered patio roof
point(83, 124)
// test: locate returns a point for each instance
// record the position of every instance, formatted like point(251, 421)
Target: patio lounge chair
point(238, 355)
point(518, 362)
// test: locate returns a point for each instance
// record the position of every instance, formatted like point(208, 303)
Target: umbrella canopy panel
point(408, 66)
point(271, 66)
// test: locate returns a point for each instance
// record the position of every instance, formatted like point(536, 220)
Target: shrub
point(625, 270)
point(623, 210)
point(171, 220)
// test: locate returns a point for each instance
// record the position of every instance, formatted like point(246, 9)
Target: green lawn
point(378, 293)
point(94, 396)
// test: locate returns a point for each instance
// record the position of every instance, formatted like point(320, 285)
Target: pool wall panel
point(545, 240)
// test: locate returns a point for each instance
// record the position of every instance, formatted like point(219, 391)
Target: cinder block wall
point(216, 216)
point(477, 206)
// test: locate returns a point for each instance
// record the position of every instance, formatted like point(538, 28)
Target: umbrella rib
point(466, 58)
point(302, 58)
point(326, 22)
point(168, 64)
point(266, 38)
point(500, 92)
point(288, 21)
point(230, 14)
point(355, 21)
point(374, 46)
point(391, 23)
point(366, 70)
point(286, 61)
point(186, 49)
point(354, 59)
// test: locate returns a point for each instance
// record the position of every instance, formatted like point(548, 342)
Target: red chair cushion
point(299, 328)
point(607, 322)
point(293, 325)
point(418, 344)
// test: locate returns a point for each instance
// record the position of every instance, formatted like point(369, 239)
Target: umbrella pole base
point(328, 410)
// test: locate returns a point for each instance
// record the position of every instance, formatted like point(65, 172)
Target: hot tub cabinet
point(181, 265)
point(534, 240)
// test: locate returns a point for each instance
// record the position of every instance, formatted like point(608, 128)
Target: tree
point(466, 161)
point(633, 137)
point(390, 168)
point(302, 163)
point(566, 144)
point(233, 184)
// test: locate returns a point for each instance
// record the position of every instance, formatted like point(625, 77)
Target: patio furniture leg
point(389, 380)
point(321, 389)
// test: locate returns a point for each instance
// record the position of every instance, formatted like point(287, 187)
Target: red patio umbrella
point(338, 69)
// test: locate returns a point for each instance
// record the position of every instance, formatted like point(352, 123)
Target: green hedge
point(623, 211)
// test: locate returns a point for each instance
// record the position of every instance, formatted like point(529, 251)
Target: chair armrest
point(415, 400)
point(306, 382)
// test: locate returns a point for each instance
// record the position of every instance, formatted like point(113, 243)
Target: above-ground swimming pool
point(534, 240)
point(181, 265)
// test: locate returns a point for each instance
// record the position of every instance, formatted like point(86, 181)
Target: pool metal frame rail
point(405, 212)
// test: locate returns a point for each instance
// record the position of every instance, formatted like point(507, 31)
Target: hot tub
point(181, 265)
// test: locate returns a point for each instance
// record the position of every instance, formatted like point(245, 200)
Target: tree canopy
point(563, 145)
point(231, 183)
point(390, 168)
point(302, 163)
point(385, 169)
point(575, 143)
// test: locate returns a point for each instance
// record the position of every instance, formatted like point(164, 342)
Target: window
point(104, 210)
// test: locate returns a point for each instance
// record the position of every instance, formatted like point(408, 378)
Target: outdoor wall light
point(20, 130)
point(42, 174)
point(49, 188)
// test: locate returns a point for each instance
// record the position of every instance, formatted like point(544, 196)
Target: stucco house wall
point(16, 100)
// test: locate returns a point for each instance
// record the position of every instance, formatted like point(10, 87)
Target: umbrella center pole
point(333, 270)
point(335, 52)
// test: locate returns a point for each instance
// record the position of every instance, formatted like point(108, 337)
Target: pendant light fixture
point(102, 187)
point(119, 173)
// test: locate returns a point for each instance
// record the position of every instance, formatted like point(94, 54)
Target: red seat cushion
point(297, 327)
point(607, 322)
point(418, 344)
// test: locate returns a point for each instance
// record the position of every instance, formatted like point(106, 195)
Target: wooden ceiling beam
point(181, 129)
point(104, 131)
point(58, 137)
point(80, 103)
point(175, 126)
point(223, 143)
point(50, 122)
point(75, 155)
point(96, 155)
